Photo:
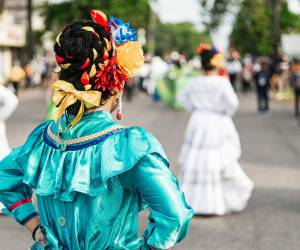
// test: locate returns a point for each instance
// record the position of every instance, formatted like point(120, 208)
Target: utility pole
point(275, 11)
point(29, 30)
point(1, 6)
point(151, 28)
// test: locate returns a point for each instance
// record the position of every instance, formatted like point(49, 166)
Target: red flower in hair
point(59, 59)
point(202, 47)
point(110, 77)
point(100, 18)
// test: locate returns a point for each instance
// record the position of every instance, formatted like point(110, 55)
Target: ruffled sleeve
point(170, 215)
point(87, 170)
point(15, 194)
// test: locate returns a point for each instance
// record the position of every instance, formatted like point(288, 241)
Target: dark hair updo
point(81, 46)
point(207, 53)
point(206, 56)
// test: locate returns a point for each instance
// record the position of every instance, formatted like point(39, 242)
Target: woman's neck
point(210, 72)
point(102, 108)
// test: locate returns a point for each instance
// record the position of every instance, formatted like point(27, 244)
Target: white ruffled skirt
point(211, 177)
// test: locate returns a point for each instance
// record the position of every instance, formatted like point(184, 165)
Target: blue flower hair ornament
point(215, 50)
point(121, 32)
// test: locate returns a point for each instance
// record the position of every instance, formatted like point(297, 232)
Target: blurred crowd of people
point(26, 75)
point(29, 74)
point(163, 77)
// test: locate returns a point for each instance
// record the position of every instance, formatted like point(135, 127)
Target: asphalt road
point(271, 157)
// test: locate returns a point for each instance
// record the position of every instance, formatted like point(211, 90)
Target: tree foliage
point(252, 32)
point(253, 29)
point(134, 11)
point(254, 23)
point(182, 37)
point(213, 11)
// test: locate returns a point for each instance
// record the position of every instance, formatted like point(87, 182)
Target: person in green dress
point(91, 175)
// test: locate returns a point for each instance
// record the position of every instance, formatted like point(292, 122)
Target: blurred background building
point(19, 21)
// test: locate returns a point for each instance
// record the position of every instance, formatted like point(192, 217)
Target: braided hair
point(80, 49)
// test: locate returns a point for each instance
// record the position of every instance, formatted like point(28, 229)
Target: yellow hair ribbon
point(65, 95)
point(90, 29)
point(57, 39)
point(65, 65)
point(95, 53)
point(93, 71)
point(108, 44)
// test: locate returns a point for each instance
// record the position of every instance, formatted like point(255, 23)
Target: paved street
point(271, 157)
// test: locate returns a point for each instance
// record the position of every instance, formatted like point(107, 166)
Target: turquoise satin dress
point(90, 193)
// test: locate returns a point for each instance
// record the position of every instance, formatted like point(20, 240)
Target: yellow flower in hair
point(130, 57)
point(218, 61)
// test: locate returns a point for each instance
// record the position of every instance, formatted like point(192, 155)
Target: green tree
point(134, 11)
point(252, 32)
point(254, 22)
point(182, 37)
point(213, 12)
point(259, 24)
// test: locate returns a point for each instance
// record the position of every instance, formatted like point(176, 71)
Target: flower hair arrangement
point(211, 56)
point(122, 57)
point(103, 53)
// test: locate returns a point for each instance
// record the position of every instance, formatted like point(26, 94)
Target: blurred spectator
point(17, 74)
point(144, 73)
point(262, 83)
point(233, 66)
point(158, 68)
point(295, 82)
point(8, 103)
point(129, 89)
point(284, 74)
point(279, 74)
point(247, 73)
point(28, 75)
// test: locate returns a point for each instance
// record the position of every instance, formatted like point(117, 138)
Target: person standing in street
point(92, 175)
point(8, 103)
point(211, 176)
point(234, 67)
point(295, 83)
point(247, 73)
point(17, 75)
point(262, 84)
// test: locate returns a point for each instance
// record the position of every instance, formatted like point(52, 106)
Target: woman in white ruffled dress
point(211, 176)
point(8, 103)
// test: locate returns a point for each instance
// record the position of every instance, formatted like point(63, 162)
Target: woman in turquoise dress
point(91, 175)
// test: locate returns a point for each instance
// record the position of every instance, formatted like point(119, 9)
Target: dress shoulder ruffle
point(63, 173)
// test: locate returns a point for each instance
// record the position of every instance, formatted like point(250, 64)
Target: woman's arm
point(184, 98)
point(230, 99)
point(169, 213)
point(8, 103)
point(15, 195)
